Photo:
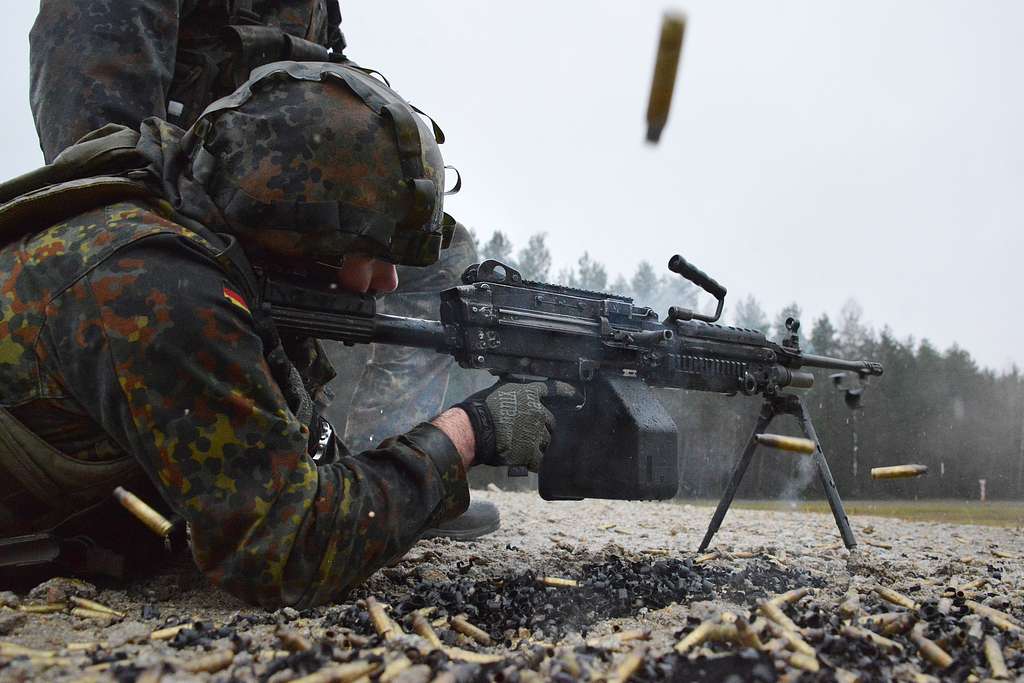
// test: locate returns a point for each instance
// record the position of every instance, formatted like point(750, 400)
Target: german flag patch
point(236, 298)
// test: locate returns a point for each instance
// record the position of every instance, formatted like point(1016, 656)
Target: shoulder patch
point(236, 298)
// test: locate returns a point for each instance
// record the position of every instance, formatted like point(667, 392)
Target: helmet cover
point(310, 161)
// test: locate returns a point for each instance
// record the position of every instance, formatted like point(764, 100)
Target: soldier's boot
point(401, 387)
point(481, 518)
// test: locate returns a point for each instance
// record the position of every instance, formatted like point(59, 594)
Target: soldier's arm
point(172, 368)
point(94, 62)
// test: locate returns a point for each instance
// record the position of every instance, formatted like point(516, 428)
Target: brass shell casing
point(792, 444)
point(670, 47)
point(156, 522)
point(899, 471)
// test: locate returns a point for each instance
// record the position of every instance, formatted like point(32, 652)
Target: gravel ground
point(641, 589)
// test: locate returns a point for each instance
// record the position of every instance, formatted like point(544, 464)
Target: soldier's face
point(362, 274)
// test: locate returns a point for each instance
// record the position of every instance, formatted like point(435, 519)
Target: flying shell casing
point(666, 65)
point(153, 520)
point(792, 444)
point(899, 471)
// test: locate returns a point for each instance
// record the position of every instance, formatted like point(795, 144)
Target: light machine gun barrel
point(612, 350)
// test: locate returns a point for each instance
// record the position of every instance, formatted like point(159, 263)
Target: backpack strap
point(50, 205)
point(94, 171)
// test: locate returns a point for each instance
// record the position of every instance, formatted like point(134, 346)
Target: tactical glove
point(511, 425)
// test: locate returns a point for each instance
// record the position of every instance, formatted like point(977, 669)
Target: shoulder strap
point(49, 205)
point(106, 151)
point(88, 174)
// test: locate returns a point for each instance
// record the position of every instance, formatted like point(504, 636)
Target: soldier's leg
point(400, 387)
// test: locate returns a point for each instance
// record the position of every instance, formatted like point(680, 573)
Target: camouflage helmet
point(310, 161)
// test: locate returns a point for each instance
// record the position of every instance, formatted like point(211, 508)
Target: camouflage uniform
point(125, 52)
point(126, 337)
point(94, 62)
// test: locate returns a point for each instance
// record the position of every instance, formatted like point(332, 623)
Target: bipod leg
point(767, 413)
point(825, 474)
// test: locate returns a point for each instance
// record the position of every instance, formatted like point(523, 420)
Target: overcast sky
point(817, 150)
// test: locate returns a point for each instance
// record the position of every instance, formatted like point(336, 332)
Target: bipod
point(783, 404)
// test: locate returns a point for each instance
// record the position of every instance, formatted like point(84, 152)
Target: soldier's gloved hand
point(511, 424)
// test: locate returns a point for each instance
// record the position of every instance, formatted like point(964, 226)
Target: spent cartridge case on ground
point(423, 628)
point(382, 623)
point(463, 626)
point(928, 648)
point(899, 472)
point(666, 65)
point(994, 658)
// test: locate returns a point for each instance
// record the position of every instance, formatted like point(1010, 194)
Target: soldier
point(133, 347)
point(120, 61)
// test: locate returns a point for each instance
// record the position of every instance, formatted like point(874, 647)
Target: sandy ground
point(641, 589)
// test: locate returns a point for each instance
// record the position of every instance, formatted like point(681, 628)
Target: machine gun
point(617, 441)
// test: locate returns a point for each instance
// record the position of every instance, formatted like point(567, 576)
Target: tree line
point(932, 407)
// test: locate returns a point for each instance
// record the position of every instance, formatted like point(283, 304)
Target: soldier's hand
point(510, 422)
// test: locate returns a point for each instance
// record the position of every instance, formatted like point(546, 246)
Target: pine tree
point(644, 283)
point(620, 286)
point(591, 274)
point(535, 258)
point(673, 291)
point(853, 333)
point(823, 337)
point(499, 248)
point(567, 277)
point(749, 314)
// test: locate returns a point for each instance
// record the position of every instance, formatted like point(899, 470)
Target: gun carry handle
point(677, 264)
